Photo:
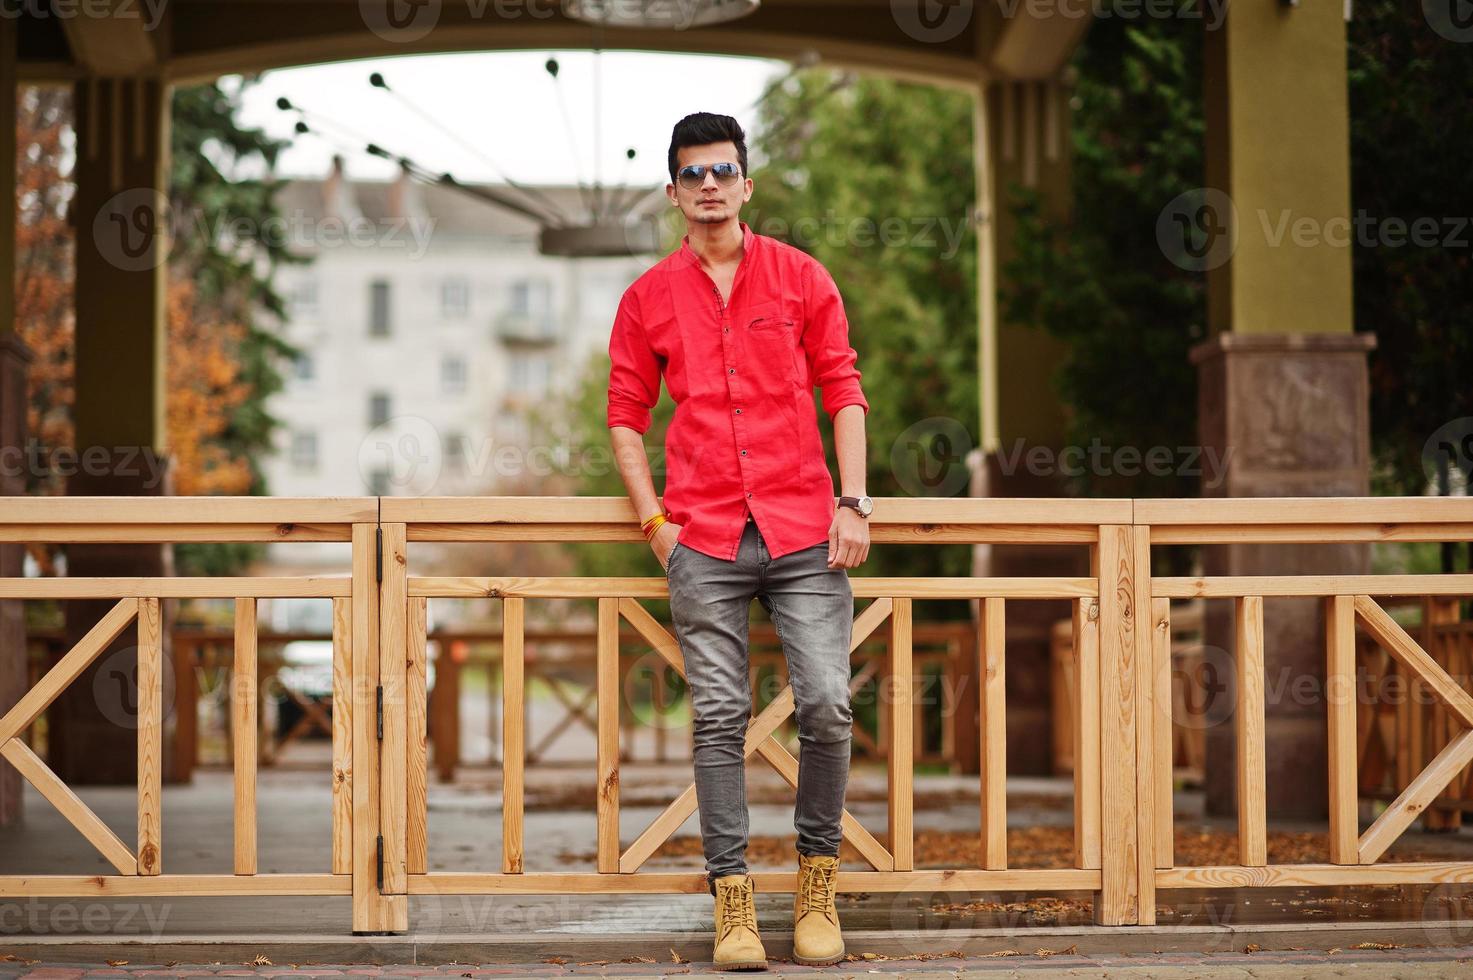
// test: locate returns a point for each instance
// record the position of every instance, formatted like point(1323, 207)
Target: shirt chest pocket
point(771, 340)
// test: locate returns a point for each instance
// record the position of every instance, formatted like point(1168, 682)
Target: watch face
point(866, 506)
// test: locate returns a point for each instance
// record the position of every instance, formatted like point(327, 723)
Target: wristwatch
point(864, 505)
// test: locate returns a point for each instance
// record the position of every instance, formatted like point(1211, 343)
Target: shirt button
point(731, 370)
point(739, 411)
point(744, 452)
point(749, 494)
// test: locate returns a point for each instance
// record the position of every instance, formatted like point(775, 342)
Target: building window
point(531, 297)
point(302, 300)
point(452, 374)
point(378, 409)
point(378, 308)
point(530, 374)
point(455, 447)
point(305, 366)
point(455, 299)
point(304, 451)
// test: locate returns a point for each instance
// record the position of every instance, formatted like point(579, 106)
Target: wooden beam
point(1414, 799)
point(150, 737)
point(70, 806)
point(416, 827)
point(1249, 718)
point(1341, 691)
point(902, 745)
point(608, 735)
point(342, 736)
point(992, 695)
point(513, 731)
point(244, 698)
point(1399, 644)
point(393, 676)
point(1087, 733)
point(78, 659)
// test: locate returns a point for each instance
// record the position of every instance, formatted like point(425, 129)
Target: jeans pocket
point(670, 558)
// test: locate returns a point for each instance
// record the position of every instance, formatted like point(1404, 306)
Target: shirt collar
point(689, 257)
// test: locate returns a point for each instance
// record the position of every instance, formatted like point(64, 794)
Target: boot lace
point(817, 888)
point(737, 907)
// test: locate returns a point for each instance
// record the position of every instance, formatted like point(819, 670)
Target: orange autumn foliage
point(204, 383)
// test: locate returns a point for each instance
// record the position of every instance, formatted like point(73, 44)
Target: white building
point(430, 325)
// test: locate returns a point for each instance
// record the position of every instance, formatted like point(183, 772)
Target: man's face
point(712, 202)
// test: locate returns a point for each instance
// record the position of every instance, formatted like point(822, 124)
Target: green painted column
point(1283, 393)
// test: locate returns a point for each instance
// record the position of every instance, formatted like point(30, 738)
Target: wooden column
point(14, 356)
point(121, 177)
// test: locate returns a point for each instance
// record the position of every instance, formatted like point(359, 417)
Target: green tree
point(1409, 163)
point(1099, 280)
point(223, 246)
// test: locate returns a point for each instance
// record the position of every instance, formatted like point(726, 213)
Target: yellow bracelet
point(652, 524)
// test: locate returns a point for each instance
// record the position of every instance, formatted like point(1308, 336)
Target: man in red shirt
point(742, 327)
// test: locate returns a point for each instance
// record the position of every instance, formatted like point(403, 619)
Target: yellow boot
point(738, 947)
point(816, 937)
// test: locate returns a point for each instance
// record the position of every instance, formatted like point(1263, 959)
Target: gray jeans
point(812, 607)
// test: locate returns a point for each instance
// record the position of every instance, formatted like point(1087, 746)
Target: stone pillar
point(1289, 415)
point(122, 244)
point(1020, 139)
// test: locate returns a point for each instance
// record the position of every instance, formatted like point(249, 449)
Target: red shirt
point(745, 431)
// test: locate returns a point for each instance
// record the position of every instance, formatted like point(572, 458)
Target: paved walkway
point(1420, 964)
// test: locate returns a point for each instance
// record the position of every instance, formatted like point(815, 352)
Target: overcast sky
point(507, 107)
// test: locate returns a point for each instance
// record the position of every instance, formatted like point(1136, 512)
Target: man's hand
point(848, 539)
point(664, 541)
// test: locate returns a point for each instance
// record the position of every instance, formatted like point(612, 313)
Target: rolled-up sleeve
point(831, 361)
point(634, 369)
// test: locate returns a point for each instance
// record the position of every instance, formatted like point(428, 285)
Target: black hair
point(702, 129)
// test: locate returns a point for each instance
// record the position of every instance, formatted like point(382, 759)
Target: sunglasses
point(694, 175)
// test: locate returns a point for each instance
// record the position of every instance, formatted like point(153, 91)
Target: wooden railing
point(1350, 603)
point(1121, 729)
